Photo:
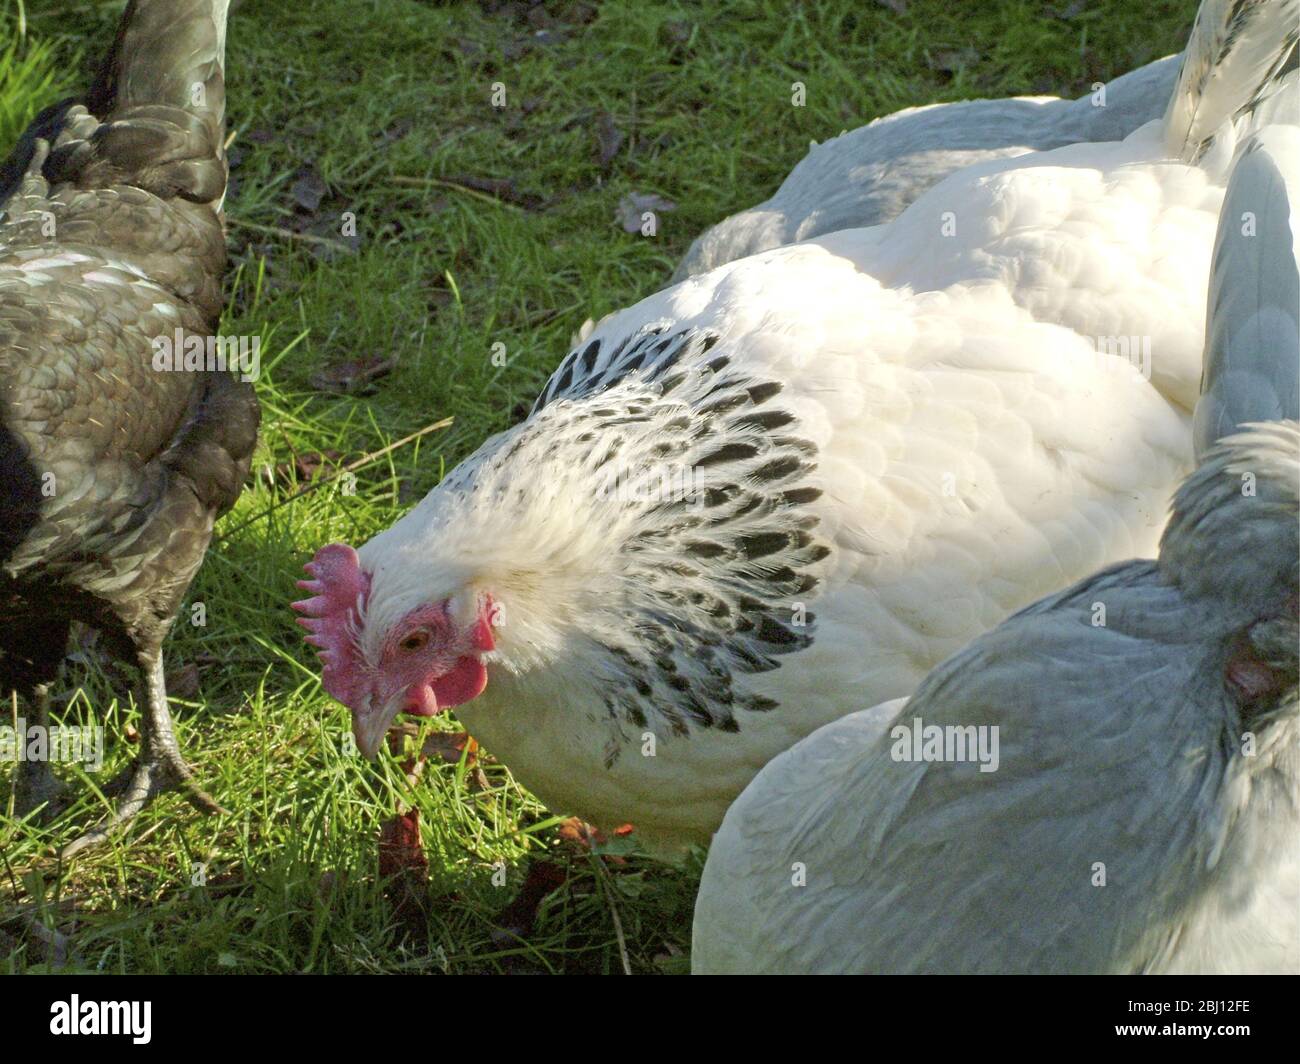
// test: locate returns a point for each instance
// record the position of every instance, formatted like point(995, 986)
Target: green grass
point(383, 100)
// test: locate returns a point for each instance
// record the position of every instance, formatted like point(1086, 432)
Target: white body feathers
point(869, 175)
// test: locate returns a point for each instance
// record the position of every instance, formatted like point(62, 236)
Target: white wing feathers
point(1237, 51)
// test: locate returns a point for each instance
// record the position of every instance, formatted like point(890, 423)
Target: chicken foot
point(160, 766)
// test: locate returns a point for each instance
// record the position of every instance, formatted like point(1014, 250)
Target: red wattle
point(421, 701)
point(464, 682)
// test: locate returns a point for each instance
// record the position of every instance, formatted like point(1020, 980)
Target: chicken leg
point(36, 784)
point(160, 766)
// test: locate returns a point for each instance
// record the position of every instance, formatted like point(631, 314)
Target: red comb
point(339, 588)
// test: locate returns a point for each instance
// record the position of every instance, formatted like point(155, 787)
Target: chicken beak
point(370, 723)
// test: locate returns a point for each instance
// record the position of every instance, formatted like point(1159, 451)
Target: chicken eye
point(415, 641)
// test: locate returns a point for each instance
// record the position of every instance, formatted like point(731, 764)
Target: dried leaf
point(675, 33)
point(47, 945)
point(448, 746)
point(518, 919)
point(395, 131)
point(398, 732)
point(329, 883)
point(609, 139)
point(400, 849)
point(632, 206)
point(1068, 11)
point(575, 830)
point(952, 60)
point(354, 377)
point(308, 190)
point(183, 682)
point(302, 469)
point(579, 14)
point(578, 834)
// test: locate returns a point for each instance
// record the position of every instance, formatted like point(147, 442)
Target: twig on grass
point(607, 889)
point(455, 186)
point(288, 234)
point(351, 467)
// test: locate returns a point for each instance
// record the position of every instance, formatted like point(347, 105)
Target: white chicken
point(868, 175)
point(779, 491)
point(1137, 807)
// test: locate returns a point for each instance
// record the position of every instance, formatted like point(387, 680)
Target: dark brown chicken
point(112, 471)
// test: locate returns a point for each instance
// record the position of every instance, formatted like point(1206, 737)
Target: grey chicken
point(112, 471)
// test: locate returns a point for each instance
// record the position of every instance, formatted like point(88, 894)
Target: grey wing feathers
point(1074, 786)
point(1252, 335)
point(793, 797)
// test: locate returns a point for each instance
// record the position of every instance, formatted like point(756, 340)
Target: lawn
point(390, 229)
